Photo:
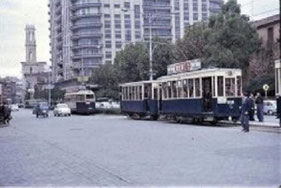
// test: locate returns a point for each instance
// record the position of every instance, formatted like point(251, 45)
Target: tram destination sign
point(186, 66)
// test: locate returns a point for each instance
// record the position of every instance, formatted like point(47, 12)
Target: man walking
point(245, 108)
point(259, 102)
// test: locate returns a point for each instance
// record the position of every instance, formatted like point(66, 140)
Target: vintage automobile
point(62, 110)
point(41, 109)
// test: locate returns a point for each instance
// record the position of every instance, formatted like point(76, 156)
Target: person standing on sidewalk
point(259, 102)
point(252, 109)
point(245, 108)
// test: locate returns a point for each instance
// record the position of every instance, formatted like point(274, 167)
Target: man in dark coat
point(245, 108)
point(252, 109)
point(259, 102)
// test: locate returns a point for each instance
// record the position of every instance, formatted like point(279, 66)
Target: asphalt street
point(102, 150)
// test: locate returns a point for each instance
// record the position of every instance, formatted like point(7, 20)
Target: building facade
point(88, 33)
point(11, 90)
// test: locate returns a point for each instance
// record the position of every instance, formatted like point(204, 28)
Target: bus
point(278, 87)
point(81, 102)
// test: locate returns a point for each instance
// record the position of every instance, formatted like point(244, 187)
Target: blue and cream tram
point(203, 95)
point(278, 87)
point(81, 102)
point(140, 99)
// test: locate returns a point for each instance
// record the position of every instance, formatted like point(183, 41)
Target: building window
point(107, 5)
point(108, 54)
point(108, 44)
point(127, 5)
point(106, 15)
point(270, 37)
point(117, 6)
point(118, 44)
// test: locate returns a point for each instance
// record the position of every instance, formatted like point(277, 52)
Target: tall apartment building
point(88, 33)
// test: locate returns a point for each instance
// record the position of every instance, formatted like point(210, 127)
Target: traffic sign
point(265, 87)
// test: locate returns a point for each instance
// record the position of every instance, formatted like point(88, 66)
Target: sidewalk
point(269, 121)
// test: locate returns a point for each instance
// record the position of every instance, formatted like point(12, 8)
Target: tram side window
point(169, 90)
point(197, 87)
point(164, 90)
point(130, 93)
point(174, 89)
point(239, 86)
point(134, 93)
point(155, 93)
point(214, 86)
point(147, 92)
point(230, 87)
point(179, 89)
point(140, 91)
point(80, 97)
point(126, 93)
point(191, 87)
point(185, 89)
point(220, 86)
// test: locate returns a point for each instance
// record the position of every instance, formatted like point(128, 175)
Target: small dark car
point(41, 109)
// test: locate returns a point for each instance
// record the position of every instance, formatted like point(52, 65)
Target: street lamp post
point(150, 49)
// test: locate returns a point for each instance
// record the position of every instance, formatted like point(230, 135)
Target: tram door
point(207, 93)
point(147, 95)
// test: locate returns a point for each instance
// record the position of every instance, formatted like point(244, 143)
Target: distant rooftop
point(265, 21)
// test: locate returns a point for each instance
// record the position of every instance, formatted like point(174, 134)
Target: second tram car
point(278, 87)
point(140, 99)
point(81, 102)
point(203, 95)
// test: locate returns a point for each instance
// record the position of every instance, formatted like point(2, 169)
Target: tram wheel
point(154, 117)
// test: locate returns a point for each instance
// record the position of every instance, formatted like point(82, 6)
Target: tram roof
point(81, 92)
point(138, 83)
point(202, 73)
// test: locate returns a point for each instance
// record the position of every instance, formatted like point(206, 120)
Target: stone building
point(34, 72)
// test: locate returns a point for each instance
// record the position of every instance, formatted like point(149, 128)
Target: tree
point(163, 55)
point(231, 41)
point(131, 64)
point(192, 44)
point(107, 79)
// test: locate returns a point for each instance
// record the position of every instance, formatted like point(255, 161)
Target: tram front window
point(220, 86)
point(230, 87)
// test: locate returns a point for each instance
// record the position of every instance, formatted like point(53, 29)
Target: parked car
point(41, 109)
point(270, 107)
point(62, 110)
point(14, 107)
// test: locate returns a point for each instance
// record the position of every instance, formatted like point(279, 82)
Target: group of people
point(5, 113)
point(248, 109)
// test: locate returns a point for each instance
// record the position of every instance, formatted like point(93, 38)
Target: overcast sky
point(15, 14)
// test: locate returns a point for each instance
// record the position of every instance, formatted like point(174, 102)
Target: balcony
point(86, 25)
point(157, 6)
point(58, 19)
point(76, 6)
point(79, 46)
point(86, 56)
point(59, 37)
point(59, 45)
point(79, 16)
point(86, 35)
